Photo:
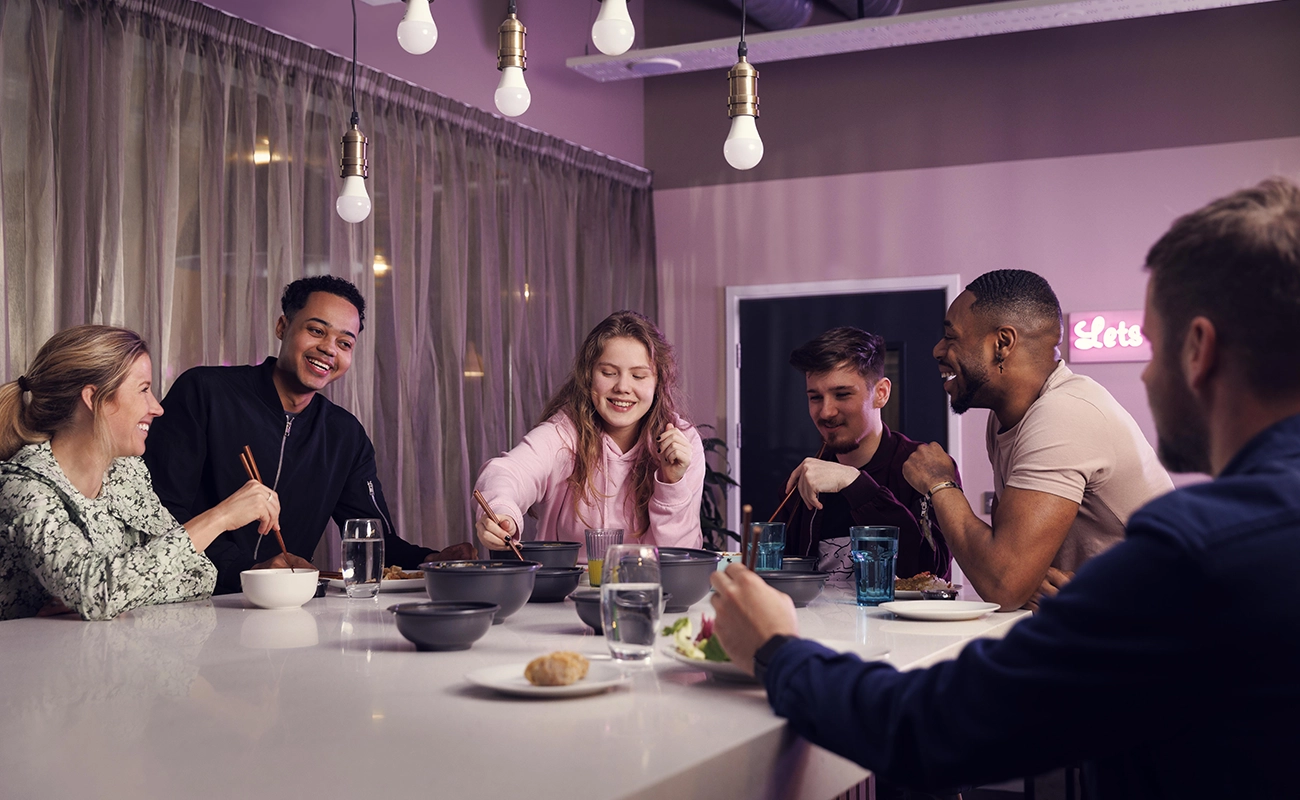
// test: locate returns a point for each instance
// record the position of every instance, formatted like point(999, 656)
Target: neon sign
point(1107, 336)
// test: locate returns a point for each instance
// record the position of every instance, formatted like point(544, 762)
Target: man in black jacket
point(316, 455)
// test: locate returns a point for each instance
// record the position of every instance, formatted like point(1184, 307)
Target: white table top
point(219, 699)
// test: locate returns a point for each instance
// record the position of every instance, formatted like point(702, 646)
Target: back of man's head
point(295, 295)
point(1237, 262)
point(862, 352)
point(1019, 298)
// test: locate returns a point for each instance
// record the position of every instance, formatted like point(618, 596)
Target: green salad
point(702, 647)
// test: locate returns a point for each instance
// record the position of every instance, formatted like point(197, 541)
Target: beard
point(1182, 433)
point(973, 379)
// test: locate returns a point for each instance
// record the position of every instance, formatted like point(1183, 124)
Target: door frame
point(951, 284)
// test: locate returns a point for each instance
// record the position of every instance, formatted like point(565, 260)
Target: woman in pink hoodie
point(612, 452)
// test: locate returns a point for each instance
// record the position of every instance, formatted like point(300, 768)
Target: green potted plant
point(716, 483)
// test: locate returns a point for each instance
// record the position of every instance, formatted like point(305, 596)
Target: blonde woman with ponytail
point(612, 451)
point(80, 526)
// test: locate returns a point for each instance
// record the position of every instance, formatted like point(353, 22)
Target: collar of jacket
point(268, 394)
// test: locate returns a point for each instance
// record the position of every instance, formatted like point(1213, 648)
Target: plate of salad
point(701, 650)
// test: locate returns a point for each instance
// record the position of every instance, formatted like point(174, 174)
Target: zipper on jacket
point(288, 425)
point(370, 485)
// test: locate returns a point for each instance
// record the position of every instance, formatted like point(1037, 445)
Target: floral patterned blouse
point(99, 556)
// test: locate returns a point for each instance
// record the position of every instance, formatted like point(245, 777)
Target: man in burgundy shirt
point(859, 480)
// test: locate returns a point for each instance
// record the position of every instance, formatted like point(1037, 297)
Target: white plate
point(402, 585)
point(719, 669)
point(940, 610)
point(509, 679)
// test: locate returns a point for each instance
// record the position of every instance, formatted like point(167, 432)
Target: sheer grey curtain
point(169, 168)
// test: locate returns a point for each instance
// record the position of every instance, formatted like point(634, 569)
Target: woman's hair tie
point(22, 383)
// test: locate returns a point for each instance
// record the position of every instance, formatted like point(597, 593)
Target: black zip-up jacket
point(320, 461)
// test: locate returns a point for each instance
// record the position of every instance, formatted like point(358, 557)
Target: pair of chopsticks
point(250, 466)
point(790, 494)
point(748, 537)
point(510, 540)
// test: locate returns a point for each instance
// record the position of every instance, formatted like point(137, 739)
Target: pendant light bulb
point(353, 204)
point(512, 96)
point(417, 33)
point(613, 32)
point(743, 148)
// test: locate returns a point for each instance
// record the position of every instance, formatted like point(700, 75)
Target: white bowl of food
point(279, 588)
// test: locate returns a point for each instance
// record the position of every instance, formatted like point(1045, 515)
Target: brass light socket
point(353, 162)
point(510, 44)
point(743, 81)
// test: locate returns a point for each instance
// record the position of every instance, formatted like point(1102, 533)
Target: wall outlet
point(986, 501)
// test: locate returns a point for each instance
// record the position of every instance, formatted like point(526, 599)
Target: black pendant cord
point(356, 118)
point(512, 9)
point(742, 49)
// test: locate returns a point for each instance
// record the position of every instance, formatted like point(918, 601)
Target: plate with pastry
point(560, 674)
point(394, 579)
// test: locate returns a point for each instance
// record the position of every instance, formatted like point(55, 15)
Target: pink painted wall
point(605, 117)
point(1084, 222)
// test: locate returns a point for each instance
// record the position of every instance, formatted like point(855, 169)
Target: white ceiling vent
point(880, 32)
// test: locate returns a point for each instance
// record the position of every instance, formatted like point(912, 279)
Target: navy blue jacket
point(1171, 663)
point(327, 469)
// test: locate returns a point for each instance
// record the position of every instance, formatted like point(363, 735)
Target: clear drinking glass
point(598, 539)
point(363, 556)
point(875, 549)
point(630, 600)
point(771, 544)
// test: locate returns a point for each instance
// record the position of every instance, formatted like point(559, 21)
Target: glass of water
point(630, 600)
point(363, 556)
point(770, 538)
point(875, 549)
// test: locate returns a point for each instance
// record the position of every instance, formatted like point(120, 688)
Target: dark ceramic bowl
point(554, 584)
point(801, 586)
point(506, 583)
point(799, 564)
point(444, 625)
point(587, 602)
point(684, 573)
point(548, 554)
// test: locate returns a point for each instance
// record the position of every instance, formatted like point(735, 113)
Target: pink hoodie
point(536, 472)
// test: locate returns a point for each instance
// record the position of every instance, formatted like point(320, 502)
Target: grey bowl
point(548, 554)
point(801, 586)
point(684, 573)
point(554, 584)
point(587, 602)
point(444, 625)
point(506, 583)
point(799, 564)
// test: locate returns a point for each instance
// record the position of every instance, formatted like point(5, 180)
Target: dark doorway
point(776, 433)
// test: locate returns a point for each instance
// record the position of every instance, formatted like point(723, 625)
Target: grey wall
point(1179, 80)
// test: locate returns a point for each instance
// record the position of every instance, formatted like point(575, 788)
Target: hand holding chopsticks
point(250, 466)
point(793, 489)
point(497, 521)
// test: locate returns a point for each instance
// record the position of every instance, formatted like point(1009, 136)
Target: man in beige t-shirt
point(1069, 462)
point(1076, 442)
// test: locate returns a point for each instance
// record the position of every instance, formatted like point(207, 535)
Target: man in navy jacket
point(1169, 664)
point(316, 455)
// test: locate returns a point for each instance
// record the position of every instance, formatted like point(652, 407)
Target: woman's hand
point(675, 453)
point(494, 535)
point(252, 502)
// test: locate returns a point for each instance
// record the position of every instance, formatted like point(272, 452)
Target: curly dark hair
point(1006, 294)
point(863, 351)
point(1237, 262)
point(295, 294)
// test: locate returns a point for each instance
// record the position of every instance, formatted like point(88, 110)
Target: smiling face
point(316, 345)
point(127, 415)
point(845, 407)
point(965, 356)
point(1182, 430)
point(623, 388)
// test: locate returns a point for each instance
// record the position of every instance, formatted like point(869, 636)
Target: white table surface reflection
point(218, 699)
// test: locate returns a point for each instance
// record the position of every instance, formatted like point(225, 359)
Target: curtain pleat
point(170, 168)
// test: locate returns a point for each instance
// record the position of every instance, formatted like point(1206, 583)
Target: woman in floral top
point(80, 526)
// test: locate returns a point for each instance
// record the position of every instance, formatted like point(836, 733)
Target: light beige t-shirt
point(1077, 442)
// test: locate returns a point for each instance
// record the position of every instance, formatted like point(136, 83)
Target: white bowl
point(278, 588)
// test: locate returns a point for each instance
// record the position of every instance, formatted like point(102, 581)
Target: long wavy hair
point(42, 403)
point(574, 401)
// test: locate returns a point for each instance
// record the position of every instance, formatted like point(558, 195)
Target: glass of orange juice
point(598, 541)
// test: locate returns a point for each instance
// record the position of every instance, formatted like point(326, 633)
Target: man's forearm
point(974, 547)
